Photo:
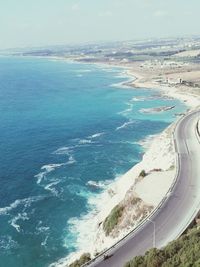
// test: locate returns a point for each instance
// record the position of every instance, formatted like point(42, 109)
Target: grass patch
point(142, 174)
point(172, 167)
point(135, 200)
point(83, 259)
point(113, 219)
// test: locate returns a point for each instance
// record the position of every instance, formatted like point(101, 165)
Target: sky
point(30, 23)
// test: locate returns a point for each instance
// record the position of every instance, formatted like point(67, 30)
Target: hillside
point(183, 252)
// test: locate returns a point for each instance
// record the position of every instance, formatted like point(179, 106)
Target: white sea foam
point(101, 184)
point(44, 243)
point(21, 216)
point(136, 99)
point(7, 243)
point(96, 135)
point(51, 167)
point(40, 228)
point(71, 160)
point(122, 142)
point(47, 169)
point(49, 187)
point(64, 150)
point(26, 202)
point(125, 125)
point(85, 141)
point(78, 142)
point(123, 84)
point(146, 142)
point(79, 190)
point(127, 110)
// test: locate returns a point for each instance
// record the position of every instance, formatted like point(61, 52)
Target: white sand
point(154, 187)
point(188, 53)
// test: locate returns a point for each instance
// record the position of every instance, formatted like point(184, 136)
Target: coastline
point(151, 190)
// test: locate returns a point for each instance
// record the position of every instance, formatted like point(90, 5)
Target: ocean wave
point(84, 227)
point(122, 142)
point(41, 229)
point(96, 135)
point(146, 142)
point(77, 143)
point(51, 187)
point(47, 169)
point(51, 167)
point(122, 85)
point(79, 190)
point(137, 99)
point(125, 125)
point(26, 202)
point(100, 185)
point(7, 243)
point(21, 216)
point(71, 160)
point(127, 110)
point(44, 230)
point(85, 141)
point(44, 243)
point(64, 150)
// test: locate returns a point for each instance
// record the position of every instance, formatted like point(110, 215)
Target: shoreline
point(159, 145)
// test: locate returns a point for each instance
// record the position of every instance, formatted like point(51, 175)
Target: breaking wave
point(21, 216)
point(26, 202)
point(125, 125)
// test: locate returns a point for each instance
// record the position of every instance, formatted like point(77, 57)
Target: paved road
point(181, 206)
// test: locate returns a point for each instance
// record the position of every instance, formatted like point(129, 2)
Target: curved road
point(176, 212)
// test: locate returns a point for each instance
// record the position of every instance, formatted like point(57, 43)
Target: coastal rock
point(157, 109)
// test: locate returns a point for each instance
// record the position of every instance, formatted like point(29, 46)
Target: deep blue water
point(62, 125)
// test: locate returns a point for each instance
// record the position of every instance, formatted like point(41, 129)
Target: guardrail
point(198, 130)
point(195, 213)
point(153, 213)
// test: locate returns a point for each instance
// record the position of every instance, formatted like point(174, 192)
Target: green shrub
point(113, 218)
point(142, 173)
point(83, 259)
point(135, 200)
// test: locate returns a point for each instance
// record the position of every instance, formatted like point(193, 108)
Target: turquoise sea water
point(63, 125)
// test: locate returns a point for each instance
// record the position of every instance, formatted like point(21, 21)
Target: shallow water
point(63, 125)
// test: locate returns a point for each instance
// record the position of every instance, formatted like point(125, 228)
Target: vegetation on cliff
point(83, 259)
point(183, 252)
point(113, 218)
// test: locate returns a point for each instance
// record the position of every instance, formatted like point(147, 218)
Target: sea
point(67, 131)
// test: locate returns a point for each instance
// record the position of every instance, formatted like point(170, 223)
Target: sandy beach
point(159, 163)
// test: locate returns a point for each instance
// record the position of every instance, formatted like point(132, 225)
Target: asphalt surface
point(178, 209)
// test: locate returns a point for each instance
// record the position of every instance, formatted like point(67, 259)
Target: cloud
point(160, 13)
point(106, 14)
point(75, 7)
